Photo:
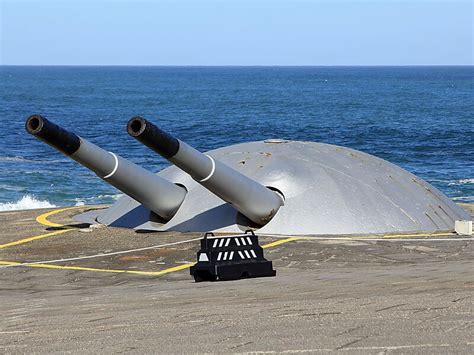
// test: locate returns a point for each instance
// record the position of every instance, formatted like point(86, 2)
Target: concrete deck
point(370, 296)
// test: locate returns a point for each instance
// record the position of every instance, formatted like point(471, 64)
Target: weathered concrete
point(358, 296)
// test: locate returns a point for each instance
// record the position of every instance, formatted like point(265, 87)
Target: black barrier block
point(231, 258)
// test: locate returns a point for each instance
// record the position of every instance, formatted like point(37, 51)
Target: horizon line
point(236, 65)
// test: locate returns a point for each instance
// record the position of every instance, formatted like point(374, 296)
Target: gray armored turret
point(275, 186)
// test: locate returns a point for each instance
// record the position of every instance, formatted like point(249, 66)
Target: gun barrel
point(255, 201)
point(157, 194)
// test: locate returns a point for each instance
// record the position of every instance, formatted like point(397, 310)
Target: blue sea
point(420, 118)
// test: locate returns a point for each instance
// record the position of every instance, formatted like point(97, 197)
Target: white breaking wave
point(17, 159)
point(81, 201)
point(463, 198)
point(462, 182)
point(36, 161)
point(27, 202)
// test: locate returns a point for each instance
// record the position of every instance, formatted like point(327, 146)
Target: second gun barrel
point(255, 201)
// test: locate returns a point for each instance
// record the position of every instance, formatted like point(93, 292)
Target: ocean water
point(420, 118)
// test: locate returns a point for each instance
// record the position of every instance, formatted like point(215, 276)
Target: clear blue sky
point(230, 32)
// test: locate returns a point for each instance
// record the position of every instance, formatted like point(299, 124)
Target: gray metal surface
point(253, 200)
point(328, 190)
point(154, 192)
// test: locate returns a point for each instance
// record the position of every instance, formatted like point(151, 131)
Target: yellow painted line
point(279, 242)
point(173, 269)
point(401, 236)
point(116, 271)
point(30, 239)
point(43, 219)
point(185, 266)
point(377, 236)
point(148, 273)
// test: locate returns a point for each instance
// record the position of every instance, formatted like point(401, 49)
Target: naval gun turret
point(154, 192)
point(278, 187)
point(255, 201)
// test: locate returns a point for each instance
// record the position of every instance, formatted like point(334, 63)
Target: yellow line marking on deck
point(388, 236)
point(417, 235)
point(115, 253)
point(116, 271)
point(43, 219)
point(30, 239)
point(369, 237)
point(136, 272)
point(176, 268)
point(278, 242)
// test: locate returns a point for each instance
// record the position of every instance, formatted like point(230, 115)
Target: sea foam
point(462, 182)
point(27, 202)
point(99, 199)
point(467, 199)
point(15, 159)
